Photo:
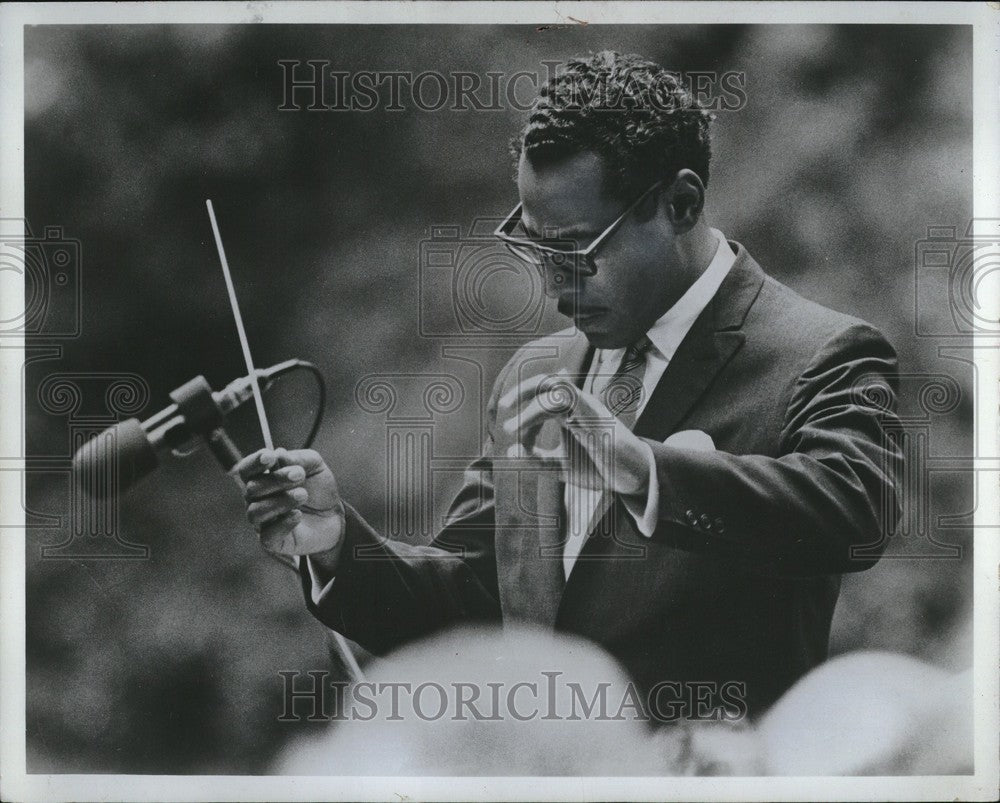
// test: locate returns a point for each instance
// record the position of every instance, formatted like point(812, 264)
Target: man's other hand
point(596, 451)
point(293, 502)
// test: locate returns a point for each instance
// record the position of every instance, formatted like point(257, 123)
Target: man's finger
point(526, 429)
point(555, 455)
point(544, 458)
point(265, 460)
point(264, 510)
point(255, 464)
point(588, 421)
point(559, 386)
point(309, 459)
point(282, 479)
point(526, 388)
point(533, 415)
point(538, 399)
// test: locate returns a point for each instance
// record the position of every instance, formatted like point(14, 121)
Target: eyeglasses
point(543, 256)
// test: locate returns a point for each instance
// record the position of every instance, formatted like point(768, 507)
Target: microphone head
point(114, 460)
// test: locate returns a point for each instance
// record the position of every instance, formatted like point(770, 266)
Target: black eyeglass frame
point(539, 255)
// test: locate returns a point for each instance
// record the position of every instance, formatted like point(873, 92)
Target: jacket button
point(705, 522)
point(720, 526)
point(691, 517)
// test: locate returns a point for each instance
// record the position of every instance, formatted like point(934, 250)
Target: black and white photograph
point(499, 401)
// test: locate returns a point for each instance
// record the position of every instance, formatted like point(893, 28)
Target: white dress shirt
point(585, 506)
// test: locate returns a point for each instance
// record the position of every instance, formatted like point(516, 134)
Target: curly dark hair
point(634, 113)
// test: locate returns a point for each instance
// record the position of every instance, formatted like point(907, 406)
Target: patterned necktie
point(623, 392)
point(621, 396)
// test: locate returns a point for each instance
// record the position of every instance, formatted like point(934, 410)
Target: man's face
point(639, 275)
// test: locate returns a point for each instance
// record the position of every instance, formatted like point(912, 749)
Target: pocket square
point(691, 439)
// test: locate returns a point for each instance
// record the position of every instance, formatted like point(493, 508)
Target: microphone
point(123, 454)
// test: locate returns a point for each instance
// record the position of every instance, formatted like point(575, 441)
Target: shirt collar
point(672, 327)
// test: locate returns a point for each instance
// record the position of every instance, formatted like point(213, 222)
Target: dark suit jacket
point(740, 579)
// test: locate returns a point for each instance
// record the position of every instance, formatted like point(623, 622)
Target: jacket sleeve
point(833, 487)
point(388, 592)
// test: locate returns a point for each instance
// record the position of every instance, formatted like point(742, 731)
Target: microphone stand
point(197, 404)
point(198, 407)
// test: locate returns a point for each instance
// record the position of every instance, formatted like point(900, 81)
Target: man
point(682, 478)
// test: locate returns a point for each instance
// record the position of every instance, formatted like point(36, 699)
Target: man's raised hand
point(597, 450)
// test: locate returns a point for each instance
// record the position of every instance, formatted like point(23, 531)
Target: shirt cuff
point(646, 510)
point(318, 589)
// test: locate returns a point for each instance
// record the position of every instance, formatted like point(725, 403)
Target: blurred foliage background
point(853, 140)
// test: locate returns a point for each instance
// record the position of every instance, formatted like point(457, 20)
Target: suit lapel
point(712, 341)
point(700, 357)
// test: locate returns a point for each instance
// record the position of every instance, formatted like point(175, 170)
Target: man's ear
point(685, 200)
